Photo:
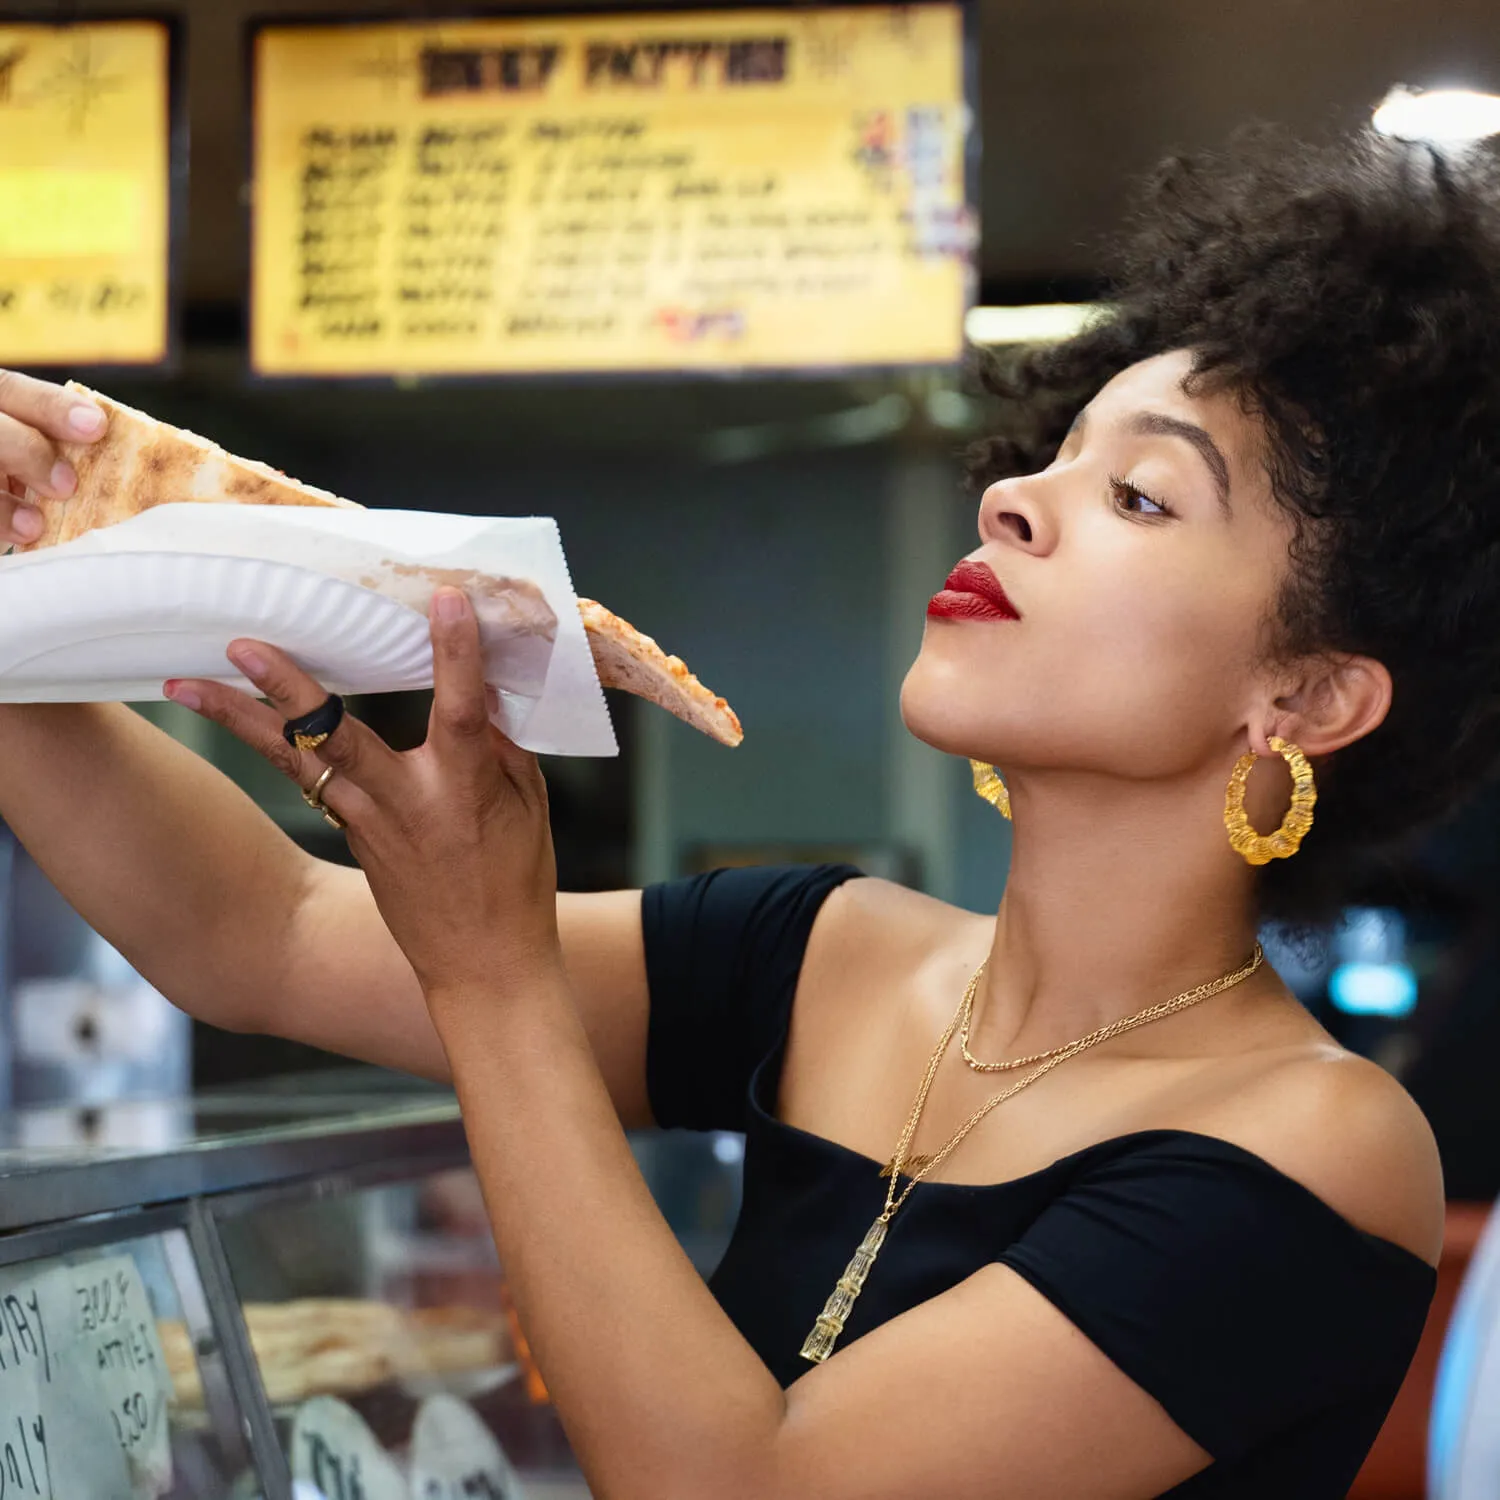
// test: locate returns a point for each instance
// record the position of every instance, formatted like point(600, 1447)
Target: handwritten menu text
point(735, 189)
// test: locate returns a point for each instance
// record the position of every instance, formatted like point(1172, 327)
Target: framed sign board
point(715, 190)
point(86, 157)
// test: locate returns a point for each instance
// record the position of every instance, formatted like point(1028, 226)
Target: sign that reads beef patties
point(744, 189)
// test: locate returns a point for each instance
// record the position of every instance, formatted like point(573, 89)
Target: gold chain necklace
point(830, 1323)
point(1103, 1034)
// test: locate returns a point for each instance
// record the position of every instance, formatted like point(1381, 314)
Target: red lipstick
point(972, 592)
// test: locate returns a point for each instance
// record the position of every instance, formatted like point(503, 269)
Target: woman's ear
point(1337, 701)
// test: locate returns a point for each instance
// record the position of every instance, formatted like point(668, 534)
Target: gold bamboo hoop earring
point(1261, 848)
point(988, 784)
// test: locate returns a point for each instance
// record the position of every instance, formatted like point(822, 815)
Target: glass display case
point(283, 1294)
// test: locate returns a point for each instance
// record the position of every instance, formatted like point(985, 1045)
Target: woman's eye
point(1136, 502)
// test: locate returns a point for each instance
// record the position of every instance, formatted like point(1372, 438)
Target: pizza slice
point(627, 659)
point(140, 463)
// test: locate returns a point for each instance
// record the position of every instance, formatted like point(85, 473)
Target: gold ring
point(314, 799)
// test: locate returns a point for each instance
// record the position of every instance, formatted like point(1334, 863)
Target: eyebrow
point(1156, 424)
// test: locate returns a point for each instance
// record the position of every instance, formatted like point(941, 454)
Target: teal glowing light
point(1370, 989)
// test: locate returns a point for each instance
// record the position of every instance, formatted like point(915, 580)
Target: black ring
point(308, 731)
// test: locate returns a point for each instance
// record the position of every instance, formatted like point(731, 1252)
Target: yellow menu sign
point(625, 192)
point(85, 172)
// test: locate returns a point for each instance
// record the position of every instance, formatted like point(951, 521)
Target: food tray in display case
point(281, 1294)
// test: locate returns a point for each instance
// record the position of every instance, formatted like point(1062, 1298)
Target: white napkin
point(110, 616)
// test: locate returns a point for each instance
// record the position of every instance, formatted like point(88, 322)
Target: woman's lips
point(951, 604)
point(972, 592)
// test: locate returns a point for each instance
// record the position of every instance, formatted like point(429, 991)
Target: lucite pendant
point(825, 1333)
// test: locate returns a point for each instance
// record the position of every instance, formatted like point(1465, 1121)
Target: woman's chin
point(936, 717)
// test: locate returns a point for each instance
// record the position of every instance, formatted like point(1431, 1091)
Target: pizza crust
point(627, 659)
point(140, 463)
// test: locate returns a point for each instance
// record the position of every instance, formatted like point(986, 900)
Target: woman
point(1190, 1251)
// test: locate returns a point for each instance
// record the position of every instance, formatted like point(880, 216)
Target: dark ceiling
point(1077, 96)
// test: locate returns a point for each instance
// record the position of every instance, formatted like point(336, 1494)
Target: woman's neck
point(1117, 898)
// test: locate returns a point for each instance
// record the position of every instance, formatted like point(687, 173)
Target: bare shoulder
point(874, 923)
point(877, 944)
point(1348, 1131)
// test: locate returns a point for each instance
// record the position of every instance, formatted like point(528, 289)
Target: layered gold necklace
point(830, 1324)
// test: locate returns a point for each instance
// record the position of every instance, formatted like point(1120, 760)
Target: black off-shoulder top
point(1273, 1331)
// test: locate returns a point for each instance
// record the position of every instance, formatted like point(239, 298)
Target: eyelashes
point(1132, 500)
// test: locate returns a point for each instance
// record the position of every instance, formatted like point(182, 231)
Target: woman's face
point(1143, 565)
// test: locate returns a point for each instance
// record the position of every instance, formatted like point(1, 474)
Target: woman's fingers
point(49, 409)
point(26, 455)
point(259, 726)
point(20, 523)
point(359, 754)
point(460, 702)
point(35, 416)
point(462, 736)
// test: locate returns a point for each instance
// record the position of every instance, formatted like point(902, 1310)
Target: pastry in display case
point(381, 1333)
point(337, 1346)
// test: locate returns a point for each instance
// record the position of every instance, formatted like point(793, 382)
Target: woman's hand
point(453, 836)
point(35, 416)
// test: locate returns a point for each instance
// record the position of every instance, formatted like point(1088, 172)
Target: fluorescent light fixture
point(1029, 323)
point(1446, 116)
point(1388, 990)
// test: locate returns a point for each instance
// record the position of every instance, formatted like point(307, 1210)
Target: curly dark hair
point(1350, 296)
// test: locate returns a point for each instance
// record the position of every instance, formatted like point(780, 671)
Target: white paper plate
point(115, 626)
point(113, 613)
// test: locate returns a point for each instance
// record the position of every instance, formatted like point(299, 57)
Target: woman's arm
point(158, 851)
point(176, 867)
point(169, 861)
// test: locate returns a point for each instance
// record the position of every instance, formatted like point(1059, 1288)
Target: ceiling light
point(1443, 115)
point(1029, 323)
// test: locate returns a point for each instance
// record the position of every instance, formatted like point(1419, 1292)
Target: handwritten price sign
point(454, 1456)
point(84, 1388)
point(335, 1456)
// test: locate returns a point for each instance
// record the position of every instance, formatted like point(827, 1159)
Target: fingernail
point(62, 479)
point(86, 420)
point(251, 663)
point(183, 695)
point(27, 522)
point(452, 606)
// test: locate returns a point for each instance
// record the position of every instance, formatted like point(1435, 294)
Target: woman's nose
point(1014, 513)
